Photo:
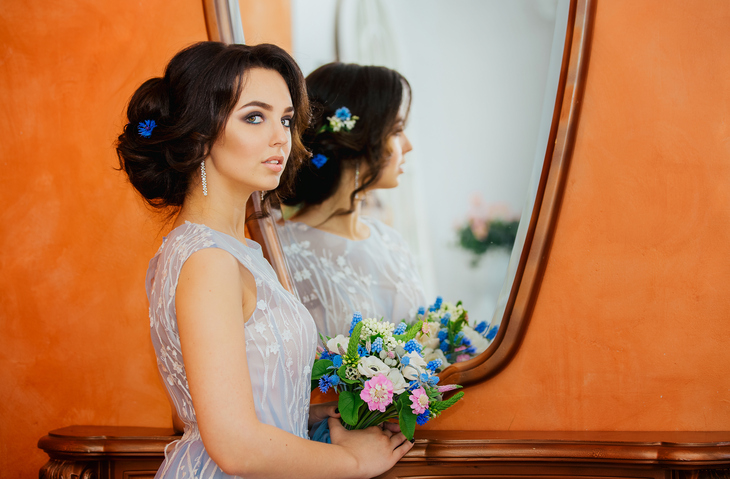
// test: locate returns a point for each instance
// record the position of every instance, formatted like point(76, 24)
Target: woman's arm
point(215, 295)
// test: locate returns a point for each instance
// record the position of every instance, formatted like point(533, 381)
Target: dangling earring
point(262, 196)
point(203, 179)
point(357, 179)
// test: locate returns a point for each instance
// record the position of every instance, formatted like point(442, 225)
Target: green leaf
point(406, 417)
point(320, 368)
point(440, 406)
point(349, 405)
point(354, 341)
point(411, 332)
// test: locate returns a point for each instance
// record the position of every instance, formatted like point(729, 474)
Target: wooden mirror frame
point(543, 220)
point(548, 199)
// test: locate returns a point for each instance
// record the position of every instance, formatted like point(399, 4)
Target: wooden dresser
point(104, 452)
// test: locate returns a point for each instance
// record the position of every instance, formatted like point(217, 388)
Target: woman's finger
point(398, 439)
point(391, 426)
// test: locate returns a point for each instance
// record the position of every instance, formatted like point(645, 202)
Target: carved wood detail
point(105, 452)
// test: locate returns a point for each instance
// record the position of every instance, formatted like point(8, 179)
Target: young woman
point(342, 261)
point(234, 348)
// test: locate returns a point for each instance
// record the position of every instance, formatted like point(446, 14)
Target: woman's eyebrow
point(264, 106)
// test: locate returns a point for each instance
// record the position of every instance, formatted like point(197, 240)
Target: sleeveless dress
point(280, 346)
point(335, 276)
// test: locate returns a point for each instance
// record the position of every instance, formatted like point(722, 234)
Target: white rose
point(416, 366)
point(339, 340)
point(399, 384)
point(370, 366)
point(479, 342)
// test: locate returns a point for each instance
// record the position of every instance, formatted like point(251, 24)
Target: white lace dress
point(280, 345)
point(335, 276)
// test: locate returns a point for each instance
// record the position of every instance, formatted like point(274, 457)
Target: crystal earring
point(357, 179)
point(203, 179)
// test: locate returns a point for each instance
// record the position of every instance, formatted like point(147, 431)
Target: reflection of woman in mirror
point(342, 261)
point(234, 348)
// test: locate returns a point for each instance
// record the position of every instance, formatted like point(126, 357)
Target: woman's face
point(398, 145)
point(252, 151)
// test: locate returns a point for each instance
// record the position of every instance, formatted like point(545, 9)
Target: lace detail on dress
point(335, 276)
point(280, 345)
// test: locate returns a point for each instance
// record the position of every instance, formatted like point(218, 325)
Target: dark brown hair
point(376, 95)
point(190, 105)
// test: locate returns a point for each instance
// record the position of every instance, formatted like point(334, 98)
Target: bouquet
point(447, 335)
point(379, 374)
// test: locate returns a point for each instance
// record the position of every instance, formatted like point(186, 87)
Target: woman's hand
point(375, 450)
point(318, 412)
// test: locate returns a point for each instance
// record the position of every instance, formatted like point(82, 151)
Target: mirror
point(479, 127)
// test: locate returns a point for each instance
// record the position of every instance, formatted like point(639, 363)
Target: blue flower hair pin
point(319, 160)
point(145, 128)
point(343, 120)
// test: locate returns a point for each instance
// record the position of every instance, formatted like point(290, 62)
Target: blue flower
point(421, 311)
point(337, 361)
point(439, 300)
point(413, 385)
point(492, 332)
point(377, 345)
point(429, 380)
point(343, 113)
point(481, 327)
point(325, 355)
point(356, 318)
point(459, 338)
point(444, 346)
point(412, 346)
point(443, 334)
point(361, 351)
point(334, 380)
point(470, 350)
point(405, 361)
point(423, 418)
point(145, 128)
point(324, 384)
point(445, 319)
point(400, 329)
point(465, 341)
point(319, 160)
point(434, 365)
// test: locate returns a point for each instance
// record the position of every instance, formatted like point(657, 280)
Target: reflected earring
point(203, 179)
point(357, 179)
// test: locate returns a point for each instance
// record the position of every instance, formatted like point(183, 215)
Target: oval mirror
point(496, 87)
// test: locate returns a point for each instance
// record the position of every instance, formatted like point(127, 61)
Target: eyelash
point(286, 121)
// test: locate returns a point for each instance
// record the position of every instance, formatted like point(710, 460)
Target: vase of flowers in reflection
point(379, 373)
point(448, 336)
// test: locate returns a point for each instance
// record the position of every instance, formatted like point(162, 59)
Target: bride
point(341, 260)
point(233, 347)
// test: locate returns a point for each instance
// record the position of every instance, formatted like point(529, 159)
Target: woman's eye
point(254, 119)
point(286, 122)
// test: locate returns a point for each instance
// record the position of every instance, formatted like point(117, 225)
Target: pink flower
point(463, 357)
point(378, 392)
point(419, 398)
point(446, 388)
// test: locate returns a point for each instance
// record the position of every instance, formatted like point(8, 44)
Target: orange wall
point(75, 240)
point(632, 323)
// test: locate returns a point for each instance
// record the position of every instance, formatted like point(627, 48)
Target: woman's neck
point(221, 210)
point(325, 216)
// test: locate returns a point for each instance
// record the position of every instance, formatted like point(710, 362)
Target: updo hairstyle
point(376, 95)
point(190, 106)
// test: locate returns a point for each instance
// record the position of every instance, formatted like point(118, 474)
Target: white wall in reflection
point(478, 71)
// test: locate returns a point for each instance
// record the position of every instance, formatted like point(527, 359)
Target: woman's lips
point(275, 164)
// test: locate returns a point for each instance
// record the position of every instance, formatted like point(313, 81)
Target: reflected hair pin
point(342, 120)
point(319, 160)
